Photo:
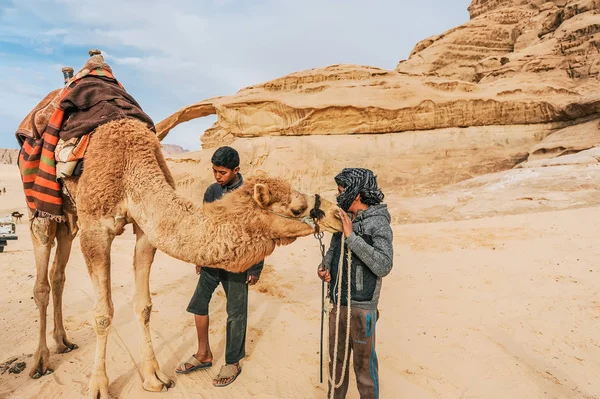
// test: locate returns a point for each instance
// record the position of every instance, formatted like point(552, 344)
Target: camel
point(126, 181)
point(16, 215)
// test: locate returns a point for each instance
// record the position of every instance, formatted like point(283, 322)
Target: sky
point(172, 53)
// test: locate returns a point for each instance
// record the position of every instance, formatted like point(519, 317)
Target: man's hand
point(346, 223)
point(251, 279)
point(324, 274)
point(198, 268)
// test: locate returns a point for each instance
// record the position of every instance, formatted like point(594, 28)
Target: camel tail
point(170, 222)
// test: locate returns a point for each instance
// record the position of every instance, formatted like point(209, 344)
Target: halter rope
point(316, 214)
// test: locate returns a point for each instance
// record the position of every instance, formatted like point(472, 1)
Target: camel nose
point(333, 219)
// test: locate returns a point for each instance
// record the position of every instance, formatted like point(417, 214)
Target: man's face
point(223, 175)
point(356, 201)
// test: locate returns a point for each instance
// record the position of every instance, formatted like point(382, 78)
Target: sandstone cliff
point(515, 62)
point(515, 85)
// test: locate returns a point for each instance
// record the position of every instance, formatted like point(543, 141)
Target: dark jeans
point(236, 292)
point(362, 346)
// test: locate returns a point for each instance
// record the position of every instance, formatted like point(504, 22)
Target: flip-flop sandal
point(196, 365)
point(227, 371)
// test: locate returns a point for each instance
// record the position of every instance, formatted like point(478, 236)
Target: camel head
point(288, 213)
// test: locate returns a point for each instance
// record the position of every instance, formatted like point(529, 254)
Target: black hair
point(226, 157)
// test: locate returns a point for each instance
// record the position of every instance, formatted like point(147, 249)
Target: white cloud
point(173, 53)
point(121, 60)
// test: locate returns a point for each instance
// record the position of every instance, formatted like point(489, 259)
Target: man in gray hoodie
point(369, 236)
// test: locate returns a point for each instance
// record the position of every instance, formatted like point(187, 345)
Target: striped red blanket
point(92, 98)
point(38, 165)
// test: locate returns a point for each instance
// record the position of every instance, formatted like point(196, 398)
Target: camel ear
point(262, 196)
point(260, 172)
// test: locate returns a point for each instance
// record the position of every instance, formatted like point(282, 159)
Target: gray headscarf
point(358, 181)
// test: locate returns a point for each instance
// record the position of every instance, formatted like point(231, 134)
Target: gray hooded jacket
point(372, 257)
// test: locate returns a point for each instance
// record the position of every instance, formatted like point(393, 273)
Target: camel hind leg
point(155, 379)
point(57, 275)
point(95, 245)
point(43, 232)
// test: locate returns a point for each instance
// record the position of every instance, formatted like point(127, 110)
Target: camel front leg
point(43, 232)
point(63, 250)
point(154, 378)
point(95, 245)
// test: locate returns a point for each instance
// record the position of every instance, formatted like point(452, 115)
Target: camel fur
point(126, 180)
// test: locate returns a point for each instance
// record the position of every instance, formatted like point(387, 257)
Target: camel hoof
point(38, 374)
point(168, 385)
point(66, 347)
point(40, 364)
point(99, 395)
point(156, 385)
point(99, 387)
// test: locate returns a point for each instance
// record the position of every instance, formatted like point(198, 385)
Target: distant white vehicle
point(8, 231)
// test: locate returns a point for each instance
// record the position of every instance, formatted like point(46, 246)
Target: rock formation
point(172, 149)
point(515, 85)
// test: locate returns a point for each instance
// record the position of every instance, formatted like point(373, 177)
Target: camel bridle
point(315, 214)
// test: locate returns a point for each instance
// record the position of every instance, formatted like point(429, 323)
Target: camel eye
point(297, 212)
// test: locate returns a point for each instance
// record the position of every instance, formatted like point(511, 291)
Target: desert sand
point(486, 143)
point(496, 307)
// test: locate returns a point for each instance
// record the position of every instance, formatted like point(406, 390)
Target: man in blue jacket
point(226, 167)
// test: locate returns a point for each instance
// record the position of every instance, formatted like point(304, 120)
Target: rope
point(331, 377)
point(319, 236)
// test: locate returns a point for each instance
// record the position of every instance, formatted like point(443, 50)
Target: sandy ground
point(502, 307)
